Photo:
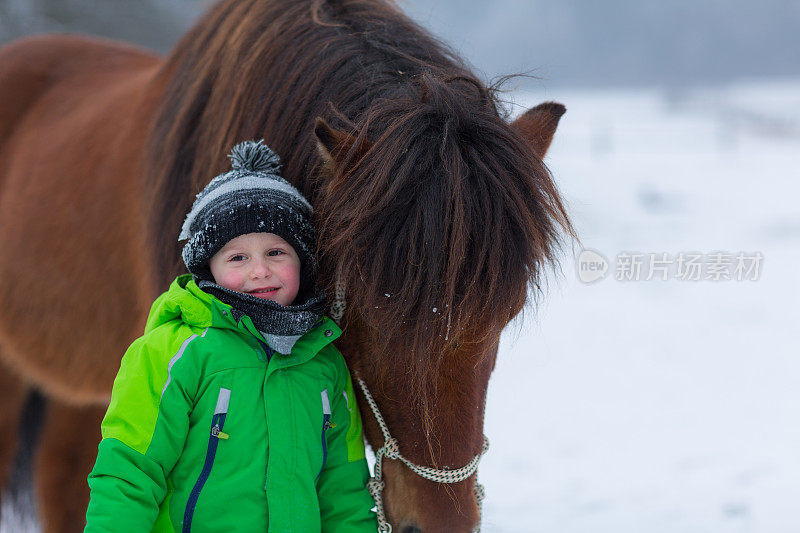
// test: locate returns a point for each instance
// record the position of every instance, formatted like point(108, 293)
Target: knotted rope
point(391, 448)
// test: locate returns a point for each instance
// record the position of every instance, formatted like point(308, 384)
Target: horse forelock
point(441, 226)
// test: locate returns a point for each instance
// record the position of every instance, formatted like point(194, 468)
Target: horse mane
point(448, 212)
point(254, 68)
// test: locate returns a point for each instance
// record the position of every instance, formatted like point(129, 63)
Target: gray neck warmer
point(281, 325)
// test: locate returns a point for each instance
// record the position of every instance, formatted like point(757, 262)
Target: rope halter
point(391, 448)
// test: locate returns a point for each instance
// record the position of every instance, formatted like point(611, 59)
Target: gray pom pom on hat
point(254, 156)
point(252, 197)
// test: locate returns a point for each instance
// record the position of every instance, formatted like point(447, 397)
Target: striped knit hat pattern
point(250, 198)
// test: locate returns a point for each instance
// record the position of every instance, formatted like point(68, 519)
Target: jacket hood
point(185, 300)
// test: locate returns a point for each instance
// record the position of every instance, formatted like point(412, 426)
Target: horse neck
point(277, 67)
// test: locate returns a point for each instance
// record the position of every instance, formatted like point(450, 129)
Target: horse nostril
point(412, 529)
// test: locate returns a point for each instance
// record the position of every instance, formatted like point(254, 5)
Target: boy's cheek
point(231, 280)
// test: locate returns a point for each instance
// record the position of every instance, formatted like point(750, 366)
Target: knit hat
point(250, 198)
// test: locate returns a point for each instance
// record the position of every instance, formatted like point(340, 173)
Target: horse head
point(436, 218)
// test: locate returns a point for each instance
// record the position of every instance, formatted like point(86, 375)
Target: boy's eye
point(273, 253)
point(237, 257)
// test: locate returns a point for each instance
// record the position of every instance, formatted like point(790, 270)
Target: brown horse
point(437, 215)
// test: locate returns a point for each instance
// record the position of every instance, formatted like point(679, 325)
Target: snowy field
point(658, 406)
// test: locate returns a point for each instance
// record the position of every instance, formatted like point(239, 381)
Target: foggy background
point(566, 42)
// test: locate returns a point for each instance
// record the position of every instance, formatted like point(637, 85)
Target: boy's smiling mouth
point(266, 292)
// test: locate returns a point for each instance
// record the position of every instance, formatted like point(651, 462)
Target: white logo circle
point(591, 266)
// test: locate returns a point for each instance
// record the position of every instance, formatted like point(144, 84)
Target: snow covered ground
point(658, 406)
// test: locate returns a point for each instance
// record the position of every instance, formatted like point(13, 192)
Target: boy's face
point(261, 264)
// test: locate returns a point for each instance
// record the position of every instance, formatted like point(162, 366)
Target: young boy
point(234, 412)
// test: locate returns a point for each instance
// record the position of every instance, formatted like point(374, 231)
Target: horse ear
point(538, 125)
point(335, 146)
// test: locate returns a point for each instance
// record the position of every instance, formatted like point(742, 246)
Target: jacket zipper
point(217, 422)
point(267, 350)
point(326, 424)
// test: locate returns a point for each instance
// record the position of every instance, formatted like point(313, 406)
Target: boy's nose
point(260, 270)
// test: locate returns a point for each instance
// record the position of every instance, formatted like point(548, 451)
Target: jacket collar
point(195, 307)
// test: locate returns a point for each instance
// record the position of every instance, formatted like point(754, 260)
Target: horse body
point(434, 213)
point(71, 215)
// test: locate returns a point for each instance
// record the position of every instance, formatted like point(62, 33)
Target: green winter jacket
point(209, 430)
